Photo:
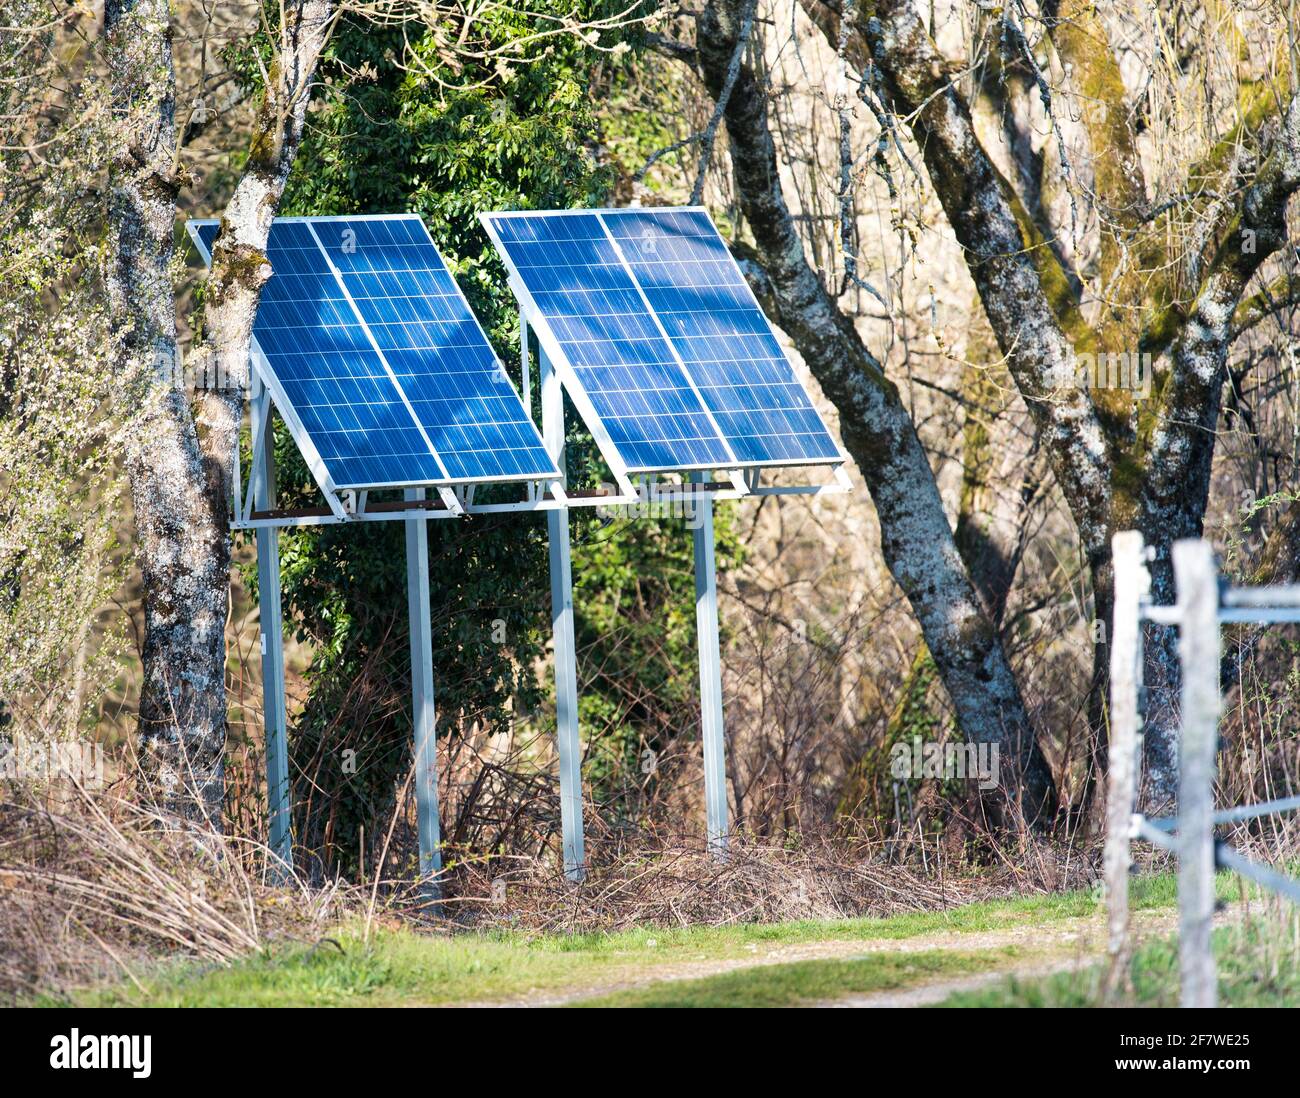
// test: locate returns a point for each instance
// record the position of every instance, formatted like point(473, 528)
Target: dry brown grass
point(667, 881)
point(98, 889)
point(94, 886)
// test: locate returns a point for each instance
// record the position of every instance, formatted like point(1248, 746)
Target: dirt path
point(1047, 948)
point(933, 993)
point(1145, 925)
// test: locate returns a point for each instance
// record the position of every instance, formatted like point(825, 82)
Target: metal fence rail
point(1203, 605)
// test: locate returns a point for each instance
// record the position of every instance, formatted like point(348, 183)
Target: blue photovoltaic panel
point(416, 398)
point(668, 273)
point(333, 380)
point(592, 306)
point(422, 324)
point(702, 300)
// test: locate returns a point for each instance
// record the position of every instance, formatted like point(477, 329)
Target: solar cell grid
point(700, 296)
point(662, 332)
point(593, 307)
point(377, 357)
point(458, 391)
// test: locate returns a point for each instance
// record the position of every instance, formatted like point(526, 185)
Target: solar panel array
point(656, 321)
point(374, 351)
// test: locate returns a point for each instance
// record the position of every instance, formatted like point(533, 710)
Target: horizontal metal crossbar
point(1161, 615)
point(1264, 597)
point(1263, 615)
point(1261, 610)
point(1145, 829)
point(1240, 812)
point(1250, 811)
point(400, 511)
point(1227, 858)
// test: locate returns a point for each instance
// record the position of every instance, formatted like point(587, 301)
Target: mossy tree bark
point(239, 266)
point(1119, 464)
point(180, 538)
point(916, 539)
point(181, 446)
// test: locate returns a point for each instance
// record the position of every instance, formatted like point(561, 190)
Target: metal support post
point(566, 658)
point(1198, 605)
point(274, 717)
point(422, 712)
point(706, 628)
point(1131, 584)
point(525, 378)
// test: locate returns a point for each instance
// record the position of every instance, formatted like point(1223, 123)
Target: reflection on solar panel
point(646, 401)
point(708, 310)
point(665, 337)
point(377, 363)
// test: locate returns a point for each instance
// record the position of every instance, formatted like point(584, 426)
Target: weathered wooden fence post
point(1198, 606)
point(1131, 583)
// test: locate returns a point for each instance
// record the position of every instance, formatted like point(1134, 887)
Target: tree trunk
point(179, 465)
point(916, 539)
point(1118, 466)
point(181, 542)
point(1002, 473)
point(239, 266)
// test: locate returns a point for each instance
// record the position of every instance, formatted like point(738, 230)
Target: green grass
point(805, 982)
point(1258, 965)
point(410, 967)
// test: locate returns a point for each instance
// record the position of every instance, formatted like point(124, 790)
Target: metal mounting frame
point(1204, 602)
point(634, 487)
point(254, 509)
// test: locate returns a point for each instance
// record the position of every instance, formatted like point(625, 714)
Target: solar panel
point(647, 403)
point(621, 290)
point(695, 287)
point(377, 363)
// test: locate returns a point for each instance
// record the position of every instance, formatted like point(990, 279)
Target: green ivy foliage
point(634, 588)
point(382, 138)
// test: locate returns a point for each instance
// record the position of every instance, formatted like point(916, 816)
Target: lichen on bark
point(916, 539)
